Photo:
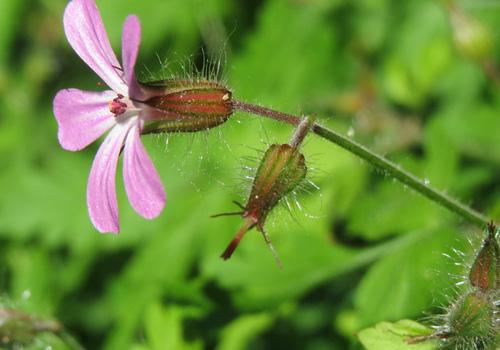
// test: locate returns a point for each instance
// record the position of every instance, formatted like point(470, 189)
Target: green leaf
point(474, 130)
point(179, 19)
point(395, 336)
point(255, 280)
point(420, 57)
point(164, 328)
point(286, 72)
point(411, 279)
point(239, 333)
point(10, 21)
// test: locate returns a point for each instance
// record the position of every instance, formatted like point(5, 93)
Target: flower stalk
point(374, 159)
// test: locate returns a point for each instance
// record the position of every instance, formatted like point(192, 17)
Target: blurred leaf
point(411, 278)
point(177, 20)
point(240, 332)
point(442, 157)
point(256, 280)
point(275, 70)
point(392, 210)
point(420, 57)
point(164, 329)
point(10, 11)
point(395, 336)
point(172, 255)
point(372, 23)
point(474, 130)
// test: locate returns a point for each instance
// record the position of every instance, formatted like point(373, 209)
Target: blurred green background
point(360, 250)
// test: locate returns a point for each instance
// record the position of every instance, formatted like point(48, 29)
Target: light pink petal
point(131, 39)
point(82, 116)
point(101, 189)
point(142, 182)
point(86, 34)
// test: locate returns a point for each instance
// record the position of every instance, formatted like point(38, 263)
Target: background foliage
point(362, 249)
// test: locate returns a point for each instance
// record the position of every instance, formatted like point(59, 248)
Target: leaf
point(177, 18)
point(372, 24)
point(255, 280)
point(474, 130)
point(392, 209)
point(411, 279)
point(164, 328)
point(10, 21)
point(238, 334)
point(285, 72)
point(420, 57)
point(395, 336)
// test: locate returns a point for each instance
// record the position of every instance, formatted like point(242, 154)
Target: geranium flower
point(84, 116)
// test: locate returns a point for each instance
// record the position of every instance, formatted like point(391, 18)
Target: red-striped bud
point(185, 106)
point(485, 271)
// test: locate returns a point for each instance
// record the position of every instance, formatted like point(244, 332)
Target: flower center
point(116, 106)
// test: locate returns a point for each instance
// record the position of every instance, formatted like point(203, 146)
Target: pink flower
point(84, 116)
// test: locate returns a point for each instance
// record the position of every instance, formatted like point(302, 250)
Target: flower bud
point(185, 106)
point(485, 271)
point(472, 318)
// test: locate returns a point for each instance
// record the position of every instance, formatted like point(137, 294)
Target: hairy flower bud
point(485, 271)
point(185, 106)
point(473, 318)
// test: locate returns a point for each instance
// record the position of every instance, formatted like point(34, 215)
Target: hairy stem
point(376, 160)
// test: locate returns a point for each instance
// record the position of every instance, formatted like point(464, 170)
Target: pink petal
point(82, 116)
point(142, 182)
point(87, 35)
point(131, 38)
point(101, 189)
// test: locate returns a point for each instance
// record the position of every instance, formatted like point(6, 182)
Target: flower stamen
point(116, 106)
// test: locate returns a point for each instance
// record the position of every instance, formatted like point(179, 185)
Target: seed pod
point(485, 271)
point(280, 171)
point(282, 168)
point(185, 106)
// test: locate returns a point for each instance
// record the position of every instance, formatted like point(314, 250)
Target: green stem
point(376, 160)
